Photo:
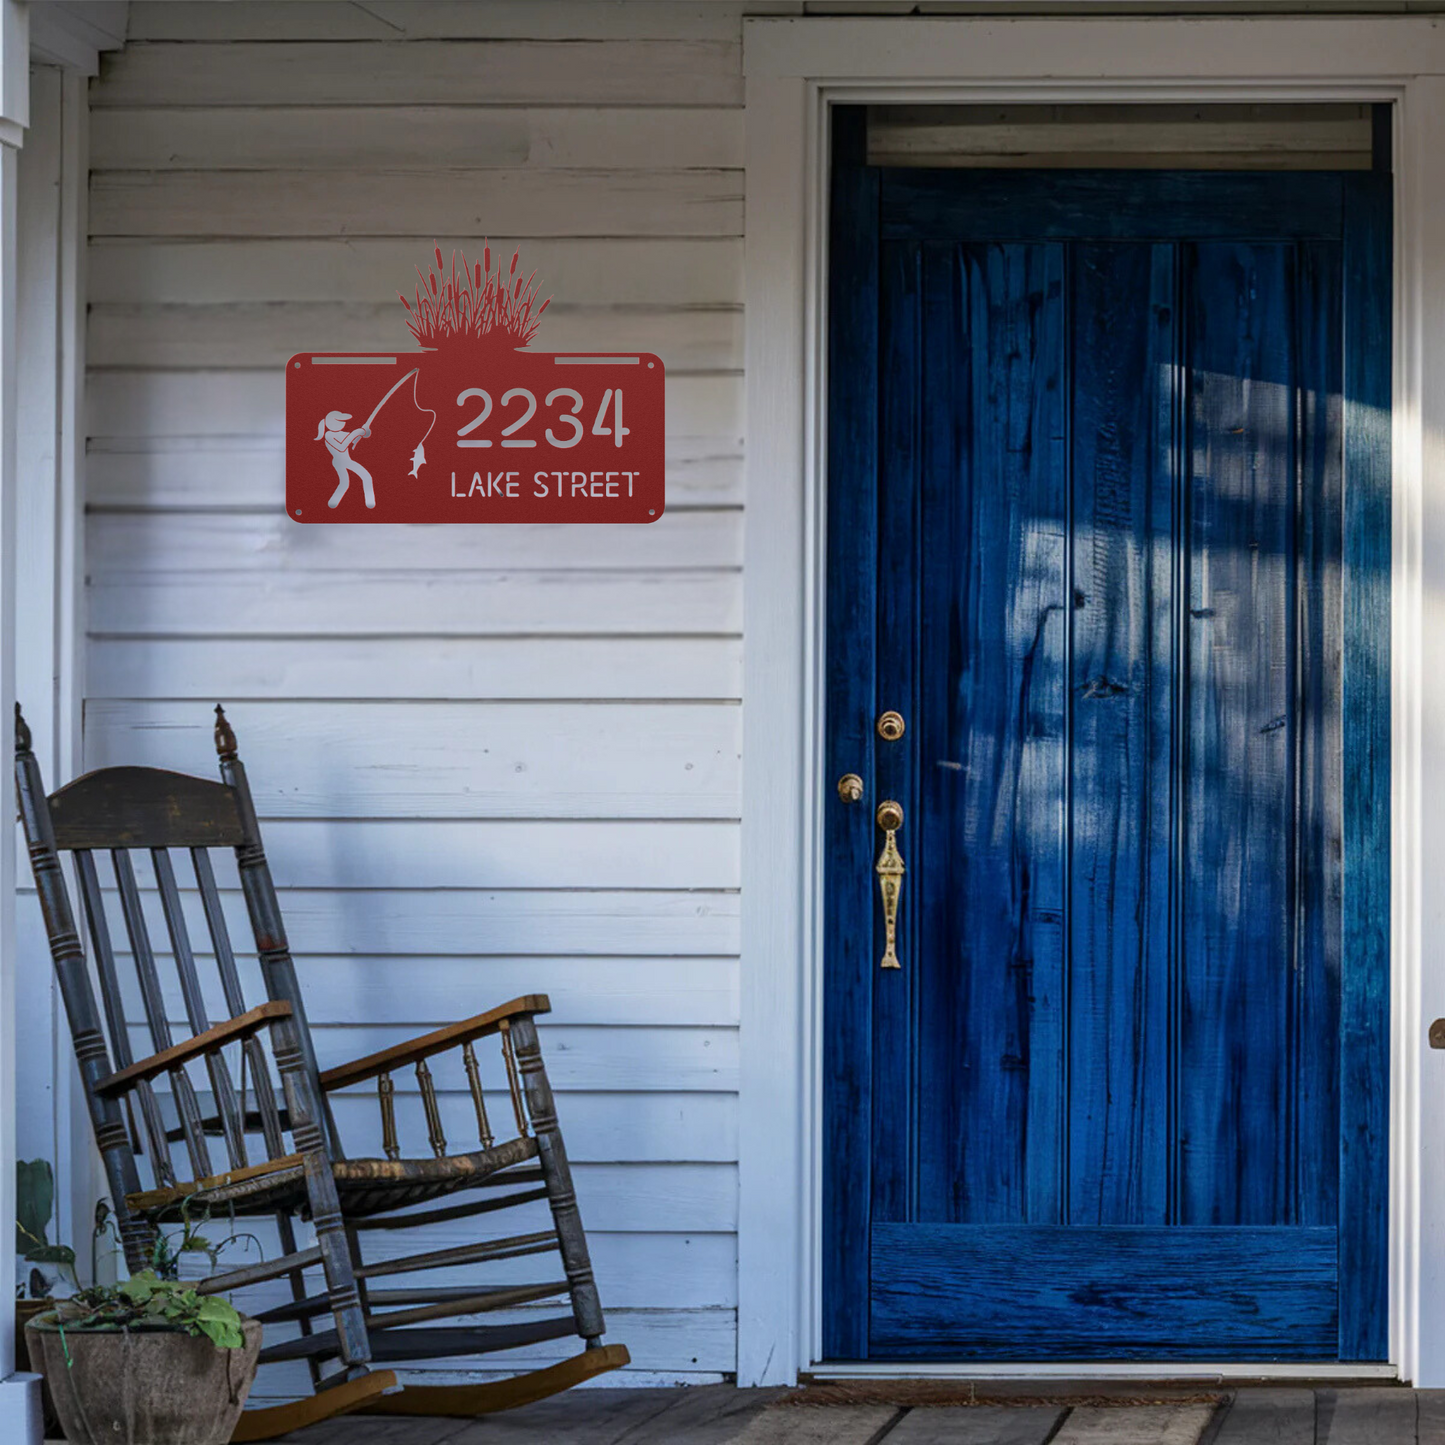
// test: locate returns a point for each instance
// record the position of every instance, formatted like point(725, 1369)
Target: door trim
point(795, 71)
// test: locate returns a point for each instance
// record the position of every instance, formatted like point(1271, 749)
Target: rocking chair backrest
point(122, 810)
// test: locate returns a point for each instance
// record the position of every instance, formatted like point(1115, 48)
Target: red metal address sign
point(474, 428)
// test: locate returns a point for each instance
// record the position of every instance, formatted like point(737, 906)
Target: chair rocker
point(282, 1150)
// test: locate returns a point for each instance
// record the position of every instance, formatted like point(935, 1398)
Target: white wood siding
point(488, 761)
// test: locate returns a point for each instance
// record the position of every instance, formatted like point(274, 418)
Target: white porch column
point(19, 1394)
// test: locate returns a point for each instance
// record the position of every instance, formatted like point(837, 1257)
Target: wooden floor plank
point(1269, 1417)
point(580, 1417)
point(1430, 1417)
point(1134, 1425)
point(975, 1425)
point(819, 1425)
point(703, 1415)
point(1379, 1416)
point(353, 1430)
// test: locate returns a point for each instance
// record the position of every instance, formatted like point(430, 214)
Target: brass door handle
point(890, 877)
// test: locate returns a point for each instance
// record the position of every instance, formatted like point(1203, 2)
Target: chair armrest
point(451, 1037)
point(240, 1027)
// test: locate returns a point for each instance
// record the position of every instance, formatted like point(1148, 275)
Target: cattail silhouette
point(473, 302)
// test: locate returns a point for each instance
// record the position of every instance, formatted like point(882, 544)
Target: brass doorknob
point(850, 787)
point(889, 816)
point(890, 726)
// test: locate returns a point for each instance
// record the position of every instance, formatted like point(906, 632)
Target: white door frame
point(796, 69)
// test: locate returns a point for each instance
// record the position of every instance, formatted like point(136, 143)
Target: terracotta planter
point(144, 1387)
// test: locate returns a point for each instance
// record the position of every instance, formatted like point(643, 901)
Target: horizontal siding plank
point(634, 1199)
point(255, 335)
point(421, 990)
point(596, 993)
point(446, 19)
point(205, 473)
point(415, 138)
point(259, 20)
point(666, 1270)
point(612, 1127)
point(598, 271)
point(155, 404)
point(658, 1271)
point(437, 853)
point(119, 543)
point(640, 1198)
point(400, 203)
point(511, 922)
point(415, 668)
point(579, 1060)
point(604, 1060)
point(667, 1347)
point(266, 334)
point(623, 990)
point(341, 604)
point(522, 72)
point(448, 759)
point(608, 1128)
point(586, 1060)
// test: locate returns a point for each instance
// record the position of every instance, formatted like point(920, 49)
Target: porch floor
point(1021, 1415)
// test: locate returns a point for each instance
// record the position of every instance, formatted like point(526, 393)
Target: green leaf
point(51, 1254)
point(140, 1287)
point(222, 1334)
point(34, 1200)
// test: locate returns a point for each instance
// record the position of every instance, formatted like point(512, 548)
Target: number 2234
point(568, 414)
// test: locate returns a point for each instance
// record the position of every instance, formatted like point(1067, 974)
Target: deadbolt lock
point(890, 726)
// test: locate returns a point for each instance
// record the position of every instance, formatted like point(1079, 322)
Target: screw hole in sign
point(474, 425)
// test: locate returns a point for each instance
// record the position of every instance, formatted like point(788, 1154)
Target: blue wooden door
point(1108, 528)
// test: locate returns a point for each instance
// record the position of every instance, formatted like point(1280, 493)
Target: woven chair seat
point(366, 1186)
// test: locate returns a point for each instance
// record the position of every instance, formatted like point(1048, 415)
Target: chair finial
point(225, 738)
point(22, 732)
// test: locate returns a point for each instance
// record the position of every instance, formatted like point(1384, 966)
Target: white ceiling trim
point(72, 33)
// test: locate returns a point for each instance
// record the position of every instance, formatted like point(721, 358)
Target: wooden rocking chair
point(143, 1108)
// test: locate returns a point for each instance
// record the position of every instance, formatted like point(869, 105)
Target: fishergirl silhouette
point(339, 442)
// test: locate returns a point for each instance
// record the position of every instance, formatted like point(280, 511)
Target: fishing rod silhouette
point(339, 442)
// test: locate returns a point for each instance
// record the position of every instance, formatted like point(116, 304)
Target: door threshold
point(1156, 1372)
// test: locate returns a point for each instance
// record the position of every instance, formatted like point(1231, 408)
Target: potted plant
point(144, 1361)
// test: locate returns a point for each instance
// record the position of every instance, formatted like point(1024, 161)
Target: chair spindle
point(433, 1112)
point(187, 1106)
point(255, 1051)
point(228, 1108)
point(514, 1085)
point(93, 902)
point(386, 1094)
point(474, 1083)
